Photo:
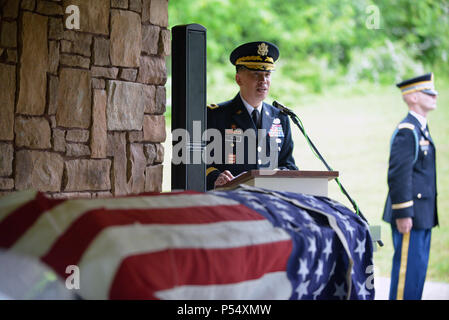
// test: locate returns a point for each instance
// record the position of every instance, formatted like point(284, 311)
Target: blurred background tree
point(325, 42)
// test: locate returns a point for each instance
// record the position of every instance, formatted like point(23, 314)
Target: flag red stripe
point(141, 276)
point(153, 194)
point(70, 246)
point(13, 226)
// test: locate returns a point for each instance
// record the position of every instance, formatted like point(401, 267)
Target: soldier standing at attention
point(254, 63)
point(411, 205)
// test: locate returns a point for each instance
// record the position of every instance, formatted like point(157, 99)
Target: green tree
point(323, 41)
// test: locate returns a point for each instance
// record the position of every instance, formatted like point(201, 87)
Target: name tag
point(232, 135)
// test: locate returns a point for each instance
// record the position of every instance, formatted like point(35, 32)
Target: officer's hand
point(223, 178)
point(404, 225)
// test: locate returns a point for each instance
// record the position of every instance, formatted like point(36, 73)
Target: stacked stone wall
point(82, 110)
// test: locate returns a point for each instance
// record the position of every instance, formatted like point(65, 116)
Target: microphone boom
point(297, 121)
point(283, 108)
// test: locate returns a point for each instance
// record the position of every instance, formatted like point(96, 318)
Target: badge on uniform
point(276, 129)
point(424, 144)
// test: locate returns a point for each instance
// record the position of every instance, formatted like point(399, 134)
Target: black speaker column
point(189, 104)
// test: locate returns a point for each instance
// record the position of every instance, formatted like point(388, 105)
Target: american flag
point(248, 243)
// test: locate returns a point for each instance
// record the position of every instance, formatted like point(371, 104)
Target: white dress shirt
point(422, 120)
point(250, 108)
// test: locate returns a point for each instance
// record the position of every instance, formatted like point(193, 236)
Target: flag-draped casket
point(249, 243)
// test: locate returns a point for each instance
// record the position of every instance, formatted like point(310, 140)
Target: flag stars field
point(328, 249)
point(360, 248)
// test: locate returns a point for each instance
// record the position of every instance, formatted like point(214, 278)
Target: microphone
point(283, 108)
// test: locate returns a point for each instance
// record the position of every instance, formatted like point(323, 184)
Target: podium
point(308, 182)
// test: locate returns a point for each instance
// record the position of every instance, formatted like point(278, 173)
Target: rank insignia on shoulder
point(213, 106)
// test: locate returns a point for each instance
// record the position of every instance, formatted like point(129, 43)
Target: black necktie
point(256, 117)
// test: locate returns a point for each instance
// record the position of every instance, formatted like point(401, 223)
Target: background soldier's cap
point(422, 83)
point(259, 55)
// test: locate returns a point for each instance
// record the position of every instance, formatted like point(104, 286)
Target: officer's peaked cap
point(258, 55)
point(422, 83)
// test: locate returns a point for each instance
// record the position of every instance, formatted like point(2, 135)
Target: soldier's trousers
point(410, 260)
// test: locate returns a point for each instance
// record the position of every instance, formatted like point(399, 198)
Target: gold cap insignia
point(262, 49)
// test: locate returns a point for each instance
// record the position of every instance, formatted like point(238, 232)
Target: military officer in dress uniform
point(411, 205)
point(247, 112)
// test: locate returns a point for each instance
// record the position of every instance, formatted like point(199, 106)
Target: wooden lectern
point(309, 182)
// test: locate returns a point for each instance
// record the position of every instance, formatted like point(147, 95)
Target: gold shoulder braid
point(213, 106)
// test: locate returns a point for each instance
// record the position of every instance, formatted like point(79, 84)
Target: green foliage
point(323, 40)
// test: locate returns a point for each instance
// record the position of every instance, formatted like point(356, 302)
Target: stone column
point(82, 111)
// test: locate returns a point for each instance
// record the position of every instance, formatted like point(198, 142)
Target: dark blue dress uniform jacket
point(412, 176)
point(232, 115)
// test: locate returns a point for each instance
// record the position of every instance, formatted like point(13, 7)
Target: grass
point(352, 126)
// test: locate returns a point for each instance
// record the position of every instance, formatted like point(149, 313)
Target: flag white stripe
point(116, 243)
point(271, 286)
point(13, 201)
point(39, 238)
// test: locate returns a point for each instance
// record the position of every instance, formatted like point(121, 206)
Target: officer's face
point(427, 101)
point(254, 85)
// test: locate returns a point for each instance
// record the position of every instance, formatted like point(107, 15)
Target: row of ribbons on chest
point(276, 127)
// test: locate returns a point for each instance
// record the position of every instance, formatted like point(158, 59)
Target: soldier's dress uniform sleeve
point(211, 175)
point(400, 170)
point(286, 160)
